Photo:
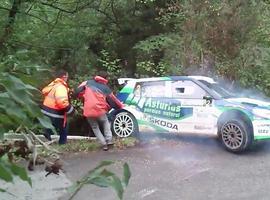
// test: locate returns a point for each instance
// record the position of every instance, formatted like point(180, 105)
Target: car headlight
point(262, 113)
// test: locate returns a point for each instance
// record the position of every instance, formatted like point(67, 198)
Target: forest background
point(226, 39)
point(136, 38)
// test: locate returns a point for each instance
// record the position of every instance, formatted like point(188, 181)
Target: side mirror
point(208, 100)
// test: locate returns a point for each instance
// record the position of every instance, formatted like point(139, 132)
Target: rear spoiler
point(122, 81)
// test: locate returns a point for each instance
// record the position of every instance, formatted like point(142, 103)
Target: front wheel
point(124, 124)
point(236, 136)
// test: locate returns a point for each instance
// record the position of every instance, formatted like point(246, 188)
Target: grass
point(93, 145)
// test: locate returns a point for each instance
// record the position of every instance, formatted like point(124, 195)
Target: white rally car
point(190, 104)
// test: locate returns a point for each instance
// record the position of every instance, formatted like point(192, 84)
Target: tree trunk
point(10, 22)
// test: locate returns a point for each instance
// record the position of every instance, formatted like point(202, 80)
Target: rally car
point(190, 104)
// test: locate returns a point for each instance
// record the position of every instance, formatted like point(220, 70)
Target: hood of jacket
point(100, 79)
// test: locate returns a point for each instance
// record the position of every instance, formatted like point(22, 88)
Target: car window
point(137, 90)
point(218, 89)
point(153, 89)
point(187, 89)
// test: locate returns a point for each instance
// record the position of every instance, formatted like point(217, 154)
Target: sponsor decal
point(264, 129)
point(192, 104)
point(165, 108)
point(161, 107)
point(163, 123)
point(202, 127)
point(264, 125)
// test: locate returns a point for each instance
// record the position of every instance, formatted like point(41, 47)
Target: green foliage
point(103, 178)
point(222, 36)
point(110, 65)
point(154, 43)
point(139, 38)
point(17, 106)
point(93, 145)
point(145, 67)
point(151, 51)
point(73, 36)
point(79, 146)
point(145, 1)
point(142, 38)
point(149, 68)
point(8, 170)
point(74, 84)
point(254, 72)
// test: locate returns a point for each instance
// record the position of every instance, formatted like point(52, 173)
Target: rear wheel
point(236, 135)
point(124, 124)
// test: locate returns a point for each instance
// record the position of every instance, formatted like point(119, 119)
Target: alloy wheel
point(123, 125)
point(232, 135)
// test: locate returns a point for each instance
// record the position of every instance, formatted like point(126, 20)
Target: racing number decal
point(208, 102)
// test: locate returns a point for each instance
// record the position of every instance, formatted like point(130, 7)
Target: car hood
point(250, 102)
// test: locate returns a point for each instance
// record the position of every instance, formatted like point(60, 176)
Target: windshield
point(218, 89)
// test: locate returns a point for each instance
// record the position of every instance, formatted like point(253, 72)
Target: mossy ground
point(89, 145)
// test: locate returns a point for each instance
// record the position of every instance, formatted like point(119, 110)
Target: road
point(171, 167)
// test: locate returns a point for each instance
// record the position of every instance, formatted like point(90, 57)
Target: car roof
point(174, 78)
point(205, 78)
point(131, 82)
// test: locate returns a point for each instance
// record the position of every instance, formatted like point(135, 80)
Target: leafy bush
point(103, 178)
point(18, 106)
point(18, 99)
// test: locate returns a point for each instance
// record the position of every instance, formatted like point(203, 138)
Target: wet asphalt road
point(183, 167)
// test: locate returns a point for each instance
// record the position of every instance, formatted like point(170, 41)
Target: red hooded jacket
point(98, 97)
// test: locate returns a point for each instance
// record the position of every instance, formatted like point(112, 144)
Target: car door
point(195, 112)
point(157, 107)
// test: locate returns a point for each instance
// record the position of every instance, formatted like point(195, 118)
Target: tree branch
point(106, 14)
point(58, 8)
point(41, 47)
point(43, 143)
point(34, 16)
point(114, 14)
point(55, 23)
point(29, 9)
point(3, 8)
point(77, 9)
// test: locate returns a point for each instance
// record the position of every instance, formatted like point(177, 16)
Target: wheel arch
point(234, 114)
point(115, 112)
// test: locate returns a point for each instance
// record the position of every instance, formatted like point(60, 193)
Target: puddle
point(44, 188)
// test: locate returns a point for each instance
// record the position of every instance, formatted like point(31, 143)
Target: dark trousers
point(58, 123)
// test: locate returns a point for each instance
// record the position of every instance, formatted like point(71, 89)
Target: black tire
point(236, 135)
point(124, 124)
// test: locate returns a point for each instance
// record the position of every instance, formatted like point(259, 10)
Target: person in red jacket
point(56, 105)
point(98, 100)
